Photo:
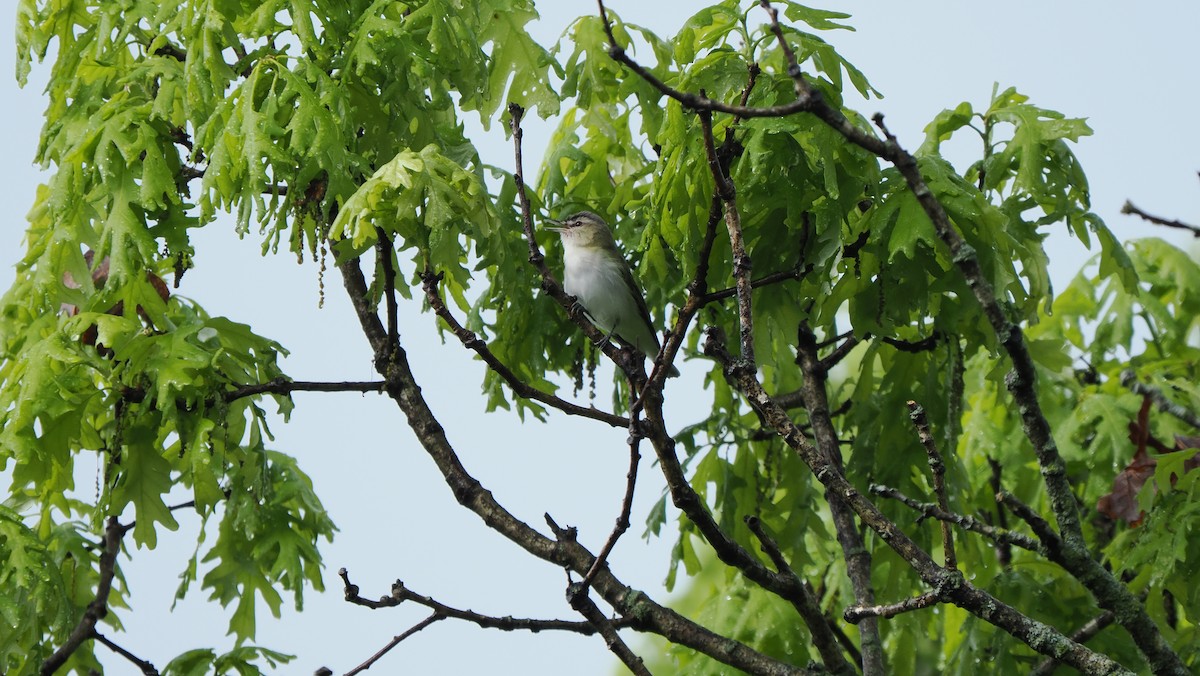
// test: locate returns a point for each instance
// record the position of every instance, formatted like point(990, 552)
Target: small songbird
point(595, 272)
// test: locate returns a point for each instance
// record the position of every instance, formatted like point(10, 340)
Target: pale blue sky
point(1129, 71)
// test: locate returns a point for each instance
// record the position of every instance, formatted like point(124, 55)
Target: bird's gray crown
point(583, 218)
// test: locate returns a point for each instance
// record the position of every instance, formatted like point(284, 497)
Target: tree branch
point(144, 666)
point(1003, 550)
point(742, 266)
point(1129, 380)
point(1128, 208)
point(1000, 536)
point(1051, 542)
point(1082, 635)
point(467, 490)
point(796, 273)
point(809, 608)
point(577, 596)
point(285, 386)
point(470, 340)
point(953, 587)
point(622, 524)
point(435, 617)
point(856, 614)
point(98, 608)
point(858, 559)
point(623, 358)
point(401, 593)
point(917, 414)
point(839, 353)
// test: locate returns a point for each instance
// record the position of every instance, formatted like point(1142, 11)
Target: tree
point(823, 274)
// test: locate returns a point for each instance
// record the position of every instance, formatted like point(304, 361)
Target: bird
point(598, 276)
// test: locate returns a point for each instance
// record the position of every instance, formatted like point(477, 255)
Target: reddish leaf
point(1122, 503)
point(99, 277)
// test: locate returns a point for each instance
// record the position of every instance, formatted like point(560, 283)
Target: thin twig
point(1128, 208)
point(435, 617)
point(279, 385)
point(472, 341)
point(285, 386)
point(923, 345)
point(183, 505)
point(145, 666)
point(401, 594)
point(840, 352)
point(622, 525)
point(815, 395)
point(633, 368)
point(916, 413)
point(1129, 380)
point(742, 267)
point(789, 54)
point(1000, 536)
point(1051, 541)
point(856, 614)
point(796, 273)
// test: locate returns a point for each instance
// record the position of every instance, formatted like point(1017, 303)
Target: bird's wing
point(632, 285)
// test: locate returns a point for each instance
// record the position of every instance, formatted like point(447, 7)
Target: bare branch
point(856, 614)
point(1050, 540)
point(796, 273)
point(435, 617)
point(923, 345)
point(1128, 208)
point(1000, 536)
point(742, 267)
point(144, 666)
point(183, 505)
point(789, 54)
point(815, 396)
point(917, 414)
point(1129, 379)
point(285, 386)
point(401, 594)
point(622, 524)
point(467, 490)
point(840, 352)
point(429, 282)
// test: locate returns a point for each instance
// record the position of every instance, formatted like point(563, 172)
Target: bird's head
point(585, 229)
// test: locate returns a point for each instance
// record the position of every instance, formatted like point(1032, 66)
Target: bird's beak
point(560, 226)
